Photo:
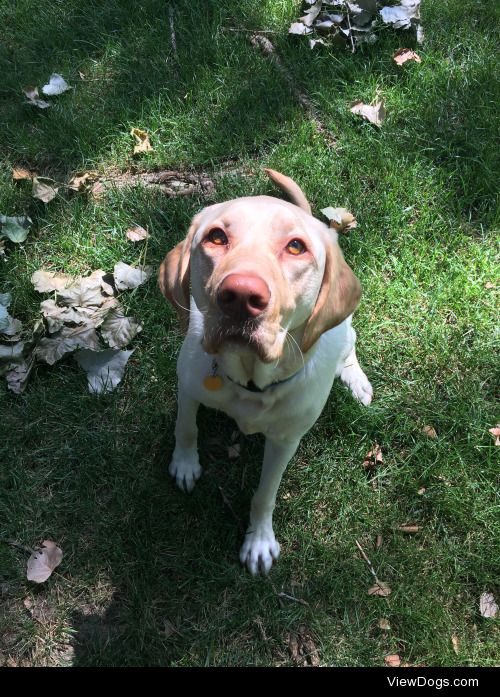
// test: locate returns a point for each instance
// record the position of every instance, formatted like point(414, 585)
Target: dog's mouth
point(250, 334)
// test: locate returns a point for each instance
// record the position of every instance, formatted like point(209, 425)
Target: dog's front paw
point(186, 470)
point(259, 550)
point(353, 377)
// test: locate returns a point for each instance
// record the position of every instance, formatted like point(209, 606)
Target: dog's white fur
point(312, 298)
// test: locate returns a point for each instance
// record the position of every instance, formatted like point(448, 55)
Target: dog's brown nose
point(243, 295)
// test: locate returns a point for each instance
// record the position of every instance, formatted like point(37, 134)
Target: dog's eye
point(217, 236)
point(296, 247)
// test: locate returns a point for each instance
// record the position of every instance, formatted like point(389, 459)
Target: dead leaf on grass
point(137, 233)
point(495, 432)
point(31, 93)
point(400, 16)
point(142, 140)
point(43, 561)
point(374, 113)
point(340, 219)
point(381, 589)
point(233, 451)
point(487, 605)
point(56, 85)
point(16, 228)
point(489, 285)
point(429, 431)
point(129, 276)
point(104, 368)
point(384, 624)
point(373, 457)
point(19, 173)
point(82, 182)
point(402, 55)
point(17, 375)
point(299, 29)
point(52, 349)
point(455, 643)
point(47, 281)
point(119, 330)
point(393, 660)
point(44, 189)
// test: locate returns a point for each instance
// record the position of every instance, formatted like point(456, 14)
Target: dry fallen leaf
point(82, 182)
point(17, 375)
point(19, 173)
point(340, 219)
point(233, 451)
point(47, 281)
point(393, 660)
point(373, 457)
point(118, 330)
point(34, 98)
point(57, 316)
point(44, 189)
point(489, 285)
point(43, 561)
point(56, 85)
point(66, 340)
point(374, 113)
point(400, 16)
point(402, 55)
point(429, 431)
point(15, 227)
point(299, 28)
point(104, 368)
point(381, 589)
point(495, 432)
point(487, 605)
point(421, 491)
point(455, 643)
point(142, 139)
point(137, 233)
point(129, 276)
point(383, 623)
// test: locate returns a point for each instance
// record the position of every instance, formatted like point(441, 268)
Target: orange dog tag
point(212, 382)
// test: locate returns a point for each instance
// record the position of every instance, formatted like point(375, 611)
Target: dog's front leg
point(260, 547)
point(185, 465)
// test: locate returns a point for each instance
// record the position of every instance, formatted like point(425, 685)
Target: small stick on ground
point(17, 545)
point(227, 502)
point(267, 48)
point(370, 565)
point(172, 31)
point(290, 597)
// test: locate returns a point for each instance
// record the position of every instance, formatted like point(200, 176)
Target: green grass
point(91, 472)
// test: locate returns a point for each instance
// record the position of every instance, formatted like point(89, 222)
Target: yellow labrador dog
point(266, 297)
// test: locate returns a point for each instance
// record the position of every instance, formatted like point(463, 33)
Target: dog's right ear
point(173, 276)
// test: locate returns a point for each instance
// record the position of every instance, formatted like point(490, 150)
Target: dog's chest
point(253, 412)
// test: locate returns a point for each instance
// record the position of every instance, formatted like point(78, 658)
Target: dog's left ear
point(174, 276)
point(338, 297)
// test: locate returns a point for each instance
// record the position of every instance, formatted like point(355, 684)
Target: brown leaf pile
point(83, 314)
point(348, 24)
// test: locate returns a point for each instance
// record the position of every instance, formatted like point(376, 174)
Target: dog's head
point(259, 268)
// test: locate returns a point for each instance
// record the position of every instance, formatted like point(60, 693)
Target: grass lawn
point(151, 576)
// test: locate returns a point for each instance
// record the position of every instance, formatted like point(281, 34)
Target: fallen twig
point(267, 48)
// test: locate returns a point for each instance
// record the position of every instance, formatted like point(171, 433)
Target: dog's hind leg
point(185, 465)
